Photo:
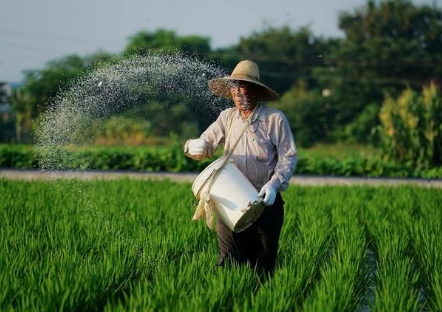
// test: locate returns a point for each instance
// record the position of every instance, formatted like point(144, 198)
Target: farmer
point(265, 154)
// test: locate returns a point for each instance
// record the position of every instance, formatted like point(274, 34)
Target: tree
point(388, 47)
point(308, 113)
point(166, 41)
point(40, 86)
point(284, 56)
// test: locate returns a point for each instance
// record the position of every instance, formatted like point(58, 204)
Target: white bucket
point(236, 199)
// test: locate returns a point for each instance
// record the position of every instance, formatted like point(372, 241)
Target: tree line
point(332, 89)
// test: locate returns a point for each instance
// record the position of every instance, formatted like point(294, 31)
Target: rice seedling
point(427, 246)
point(130, 245)
point(344, 276)
point(396, 277)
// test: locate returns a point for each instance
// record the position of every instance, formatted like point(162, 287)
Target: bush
point(363, 127)
point(17, 156)
point(411, 128)
point(301, 106)
point(172, 159)
point(123, 130)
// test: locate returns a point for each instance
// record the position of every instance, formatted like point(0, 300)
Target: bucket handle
point(211, 176)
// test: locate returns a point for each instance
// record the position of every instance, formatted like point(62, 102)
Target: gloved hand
point(269, 194)
point(196, 148)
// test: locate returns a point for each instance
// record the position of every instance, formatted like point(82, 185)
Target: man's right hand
point(195, 149)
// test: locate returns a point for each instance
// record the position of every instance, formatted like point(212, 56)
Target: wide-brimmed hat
point(244, 71)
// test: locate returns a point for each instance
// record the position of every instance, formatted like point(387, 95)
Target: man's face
point(243, 95)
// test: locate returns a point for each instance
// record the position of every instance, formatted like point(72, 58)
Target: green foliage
point(412, 127)
point(166, 41)
point(131, 246)
point(344, 278)
point(17, 156)
point(397, 276)
point(363, 127)
point(426, 250)
point(166, 116)
point(388, 46)
point(284, 55)
point(120, 130)
point(301, 106)
point(41, 86)
point(308, 234)
point(172, 158)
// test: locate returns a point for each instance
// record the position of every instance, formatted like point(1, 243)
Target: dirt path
point(190, 177)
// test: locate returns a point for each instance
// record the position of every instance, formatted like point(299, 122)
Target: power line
point(341, 78)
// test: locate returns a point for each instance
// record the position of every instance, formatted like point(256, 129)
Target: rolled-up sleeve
point(287, 156)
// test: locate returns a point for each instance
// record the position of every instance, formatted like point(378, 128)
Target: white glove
point(196, 149)
point(269, 194)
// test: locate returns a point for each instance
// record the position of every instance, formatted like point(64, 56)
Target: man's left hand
point(269, 194)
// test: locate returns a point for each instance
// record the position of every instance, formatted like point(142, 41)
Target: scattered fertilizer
point(111, 90)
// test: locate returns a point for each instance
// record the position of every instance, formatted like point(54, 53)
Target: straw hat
point(244, 71)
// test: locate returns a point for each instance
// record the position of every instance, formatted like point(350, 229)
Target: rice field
point(129, 245)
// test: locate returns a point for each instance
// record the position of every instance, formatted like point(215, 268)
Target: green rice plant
point(71, 251)
point(51, 269)
point(396, 277)
point(428, 248)
point(344, 276)
point(130, 245)
point(304, 244)
point(190, 285)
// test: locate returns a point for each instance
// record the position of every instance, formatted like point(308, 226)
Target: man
point(266, 155)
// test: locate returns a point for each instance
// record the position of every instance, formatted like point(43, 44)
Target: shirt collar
point(257, 114)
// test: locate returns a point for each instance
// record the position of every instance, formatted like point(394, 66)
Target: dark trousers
point(257, 245)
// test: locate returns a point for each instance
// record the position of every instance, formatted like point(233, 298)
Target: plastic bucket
point(236, 200)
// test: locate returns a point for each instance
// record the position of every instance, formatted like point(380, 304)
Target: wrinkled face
point(244, 95)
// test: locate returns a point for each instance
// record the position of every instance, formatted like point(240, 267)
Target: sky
point(33, 32)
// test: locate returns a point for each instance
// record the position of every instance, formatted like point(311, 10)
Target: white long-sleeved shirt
point(266, 151)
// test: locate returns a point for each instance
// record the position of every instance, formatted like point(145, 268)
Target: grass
point(130, 245)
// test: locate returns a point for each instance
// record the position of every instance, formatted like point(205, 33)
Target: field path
point(19, 174)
